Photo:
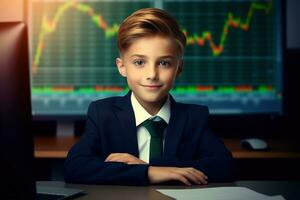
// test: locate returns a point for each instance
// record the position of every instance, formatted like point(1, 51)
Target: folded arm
point(212, 158)
point(85, 162)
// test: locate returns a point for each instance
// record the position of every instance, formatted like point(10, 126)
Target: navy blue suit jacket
point(110, 128)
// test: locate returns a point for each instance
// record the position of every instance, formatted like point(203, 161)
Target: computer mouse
point(254, 144)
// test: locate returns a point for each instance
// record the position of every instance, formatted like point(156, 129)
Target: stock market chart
point(232, 62)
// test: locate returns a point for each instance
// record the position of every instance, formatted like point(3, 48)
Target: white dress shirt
point(143, 135)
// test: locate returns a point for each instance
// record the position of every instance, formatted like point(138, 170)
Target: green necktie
point(156, 129)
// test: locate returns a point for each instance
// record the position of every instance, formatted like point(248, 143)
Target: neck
point(152, 107)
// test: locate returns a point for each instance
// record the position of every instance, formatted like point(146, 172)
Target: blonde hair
point(150, 22)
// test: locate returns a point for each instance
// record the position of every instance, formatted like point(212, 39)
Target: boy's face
point(150, 65)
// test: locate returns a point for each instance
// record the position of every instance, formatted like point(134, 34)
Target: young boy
point(146, 137)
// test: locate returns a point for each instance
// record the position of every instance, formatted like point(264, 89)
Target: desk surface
point(58, 147)
point(289, 189)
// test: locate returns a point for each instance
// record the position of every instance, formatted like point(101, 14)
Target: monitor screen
point(232, 62)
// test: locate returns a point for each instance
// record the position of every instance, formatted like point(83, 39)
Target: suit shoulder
point(197, 116)
point(107, 101)
point(104, 103)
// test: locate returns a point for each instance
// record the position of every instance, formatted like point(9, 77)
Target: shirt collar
point(141, 114)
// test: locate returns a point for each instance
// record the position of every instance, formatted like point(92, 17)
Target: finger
point(199, 172)
point(130, 158)
point(176, 174)
point(119, 159)
point(124, 157)
point(188, 174)
point(108, 157)
point(183, 179)
point(200, 177)
point(114, 156)
point(138, 161)
point(133, 163)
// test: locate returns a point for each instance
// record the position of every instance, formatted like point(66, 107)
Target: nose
point(152, 72)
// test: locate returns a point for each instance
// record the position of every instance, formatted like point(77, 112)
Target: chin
point(153, 98)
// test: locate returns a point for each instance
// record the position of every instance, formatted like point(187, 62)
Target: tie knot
point(155, 126)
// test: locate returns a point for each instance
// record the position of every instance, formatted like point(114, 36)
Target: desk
point(58, 147)
point(281, 162)
point(52, 146)
point(290, 190)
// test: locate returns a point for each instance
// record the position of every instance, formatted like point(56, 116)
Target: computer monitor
point(16, 137)
point(233, 61)
point(16, 140)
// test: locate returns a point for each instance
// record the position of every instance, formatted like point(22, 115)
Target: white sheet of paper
point(217, 193)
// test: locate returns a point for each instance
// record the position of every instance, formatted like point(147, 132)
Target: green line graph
point(232, 47)
point(244, 51)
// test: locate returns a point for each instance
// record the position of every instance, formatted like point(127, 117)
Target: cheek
point(170, 76)
point(132, 75)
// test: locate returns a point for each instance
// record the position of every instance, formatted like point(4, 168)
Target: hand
point(185, 175)
point(125, 158)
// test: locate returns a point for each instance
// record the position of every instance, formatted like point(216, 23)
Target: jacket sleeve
point(85, 161)
point(212, 158)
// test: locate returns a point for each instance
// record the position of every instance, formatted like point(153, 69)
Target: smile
point(152, 86)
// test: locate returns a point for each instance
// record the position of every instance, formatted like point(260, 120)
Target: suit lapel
point(175, 129)
point(125, 114)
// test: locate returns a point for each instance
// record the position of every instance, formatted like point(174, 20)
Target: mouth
point(151, 86)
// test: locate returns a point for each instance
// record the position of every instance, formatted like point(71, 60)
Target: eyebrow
point(138, 55)
point(143, 56)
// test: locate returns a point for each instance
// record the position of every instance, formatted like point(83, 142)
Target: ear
point(121, 67)
point(180, 68)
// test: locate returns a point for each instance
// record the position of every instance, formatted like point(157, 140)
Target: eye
point(138, 62)
point(165, 63)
